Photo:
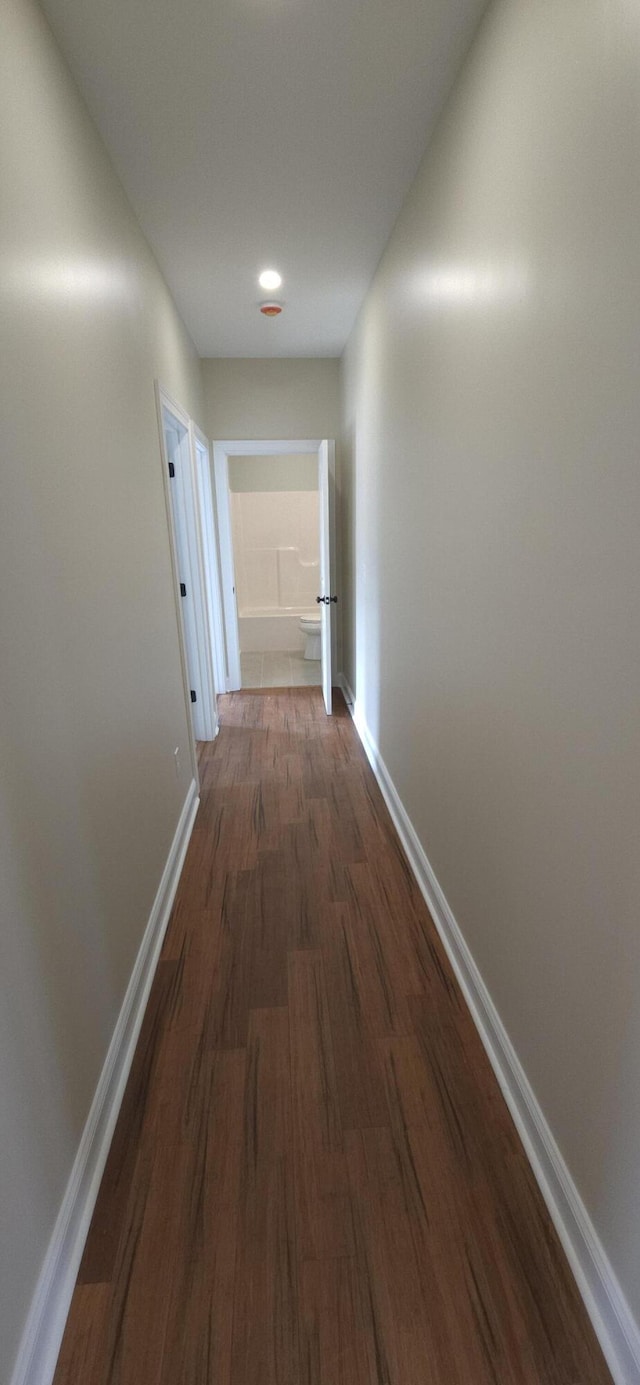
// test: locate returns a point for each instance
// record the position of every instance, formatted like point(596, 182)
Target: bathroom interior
point(275, 530)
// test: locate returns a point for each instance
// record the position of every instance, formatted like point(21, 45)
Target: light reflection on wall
point(84, 280)
point(473, 285)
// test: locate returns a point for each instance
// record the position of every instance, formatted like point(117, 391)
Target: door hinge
point(172, 470)
point(183, 589)
point(193, 696)
point(325, 600)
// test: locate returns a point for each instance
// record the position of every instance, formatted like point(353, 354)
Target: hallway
point(314, 1179)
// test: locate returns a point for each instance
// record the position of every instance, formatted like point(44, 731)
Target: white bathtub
point(261, 632)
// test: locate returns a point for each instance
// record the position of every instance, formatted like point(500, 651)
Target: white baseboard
point(38, 1352)
point(613, 1321)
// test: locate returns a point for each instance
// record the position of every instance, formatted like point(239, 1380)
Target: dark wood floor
point(314, 1179)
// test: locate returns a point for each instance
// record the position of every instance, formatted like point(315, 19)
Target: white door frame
point(326, 460)
point(202, 717)
point(270, 447)
point(208, 565)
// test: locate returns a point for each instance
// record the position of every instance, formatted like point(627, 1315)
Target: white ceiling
point(253, 133)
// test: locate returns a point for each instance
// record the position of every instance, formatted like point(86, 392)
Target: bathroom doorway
point(275, 521)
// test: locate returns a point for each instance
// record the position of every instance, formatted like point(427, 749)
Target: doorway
point(185, 459)
point(274, 502)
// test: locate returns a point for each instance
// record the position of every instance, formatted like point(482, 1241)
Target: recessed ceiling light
point(270, 280)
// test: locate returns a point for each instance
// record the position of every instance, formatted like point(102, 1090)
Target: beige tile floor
point(279, 670)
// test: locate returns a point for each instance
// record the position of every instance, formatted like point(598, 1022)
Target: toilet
point(310, 626)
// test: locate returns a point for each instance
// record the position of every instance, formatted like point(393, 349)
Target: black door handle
point(326, 600)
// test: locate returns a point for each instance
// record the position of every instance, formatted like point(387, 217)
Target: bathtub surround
point(276, 563)
point(492, 495)
point(270, 632)
point(275, 545)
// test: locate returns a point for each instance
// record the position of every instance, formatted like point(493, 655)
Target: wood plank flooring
point(314, 1179)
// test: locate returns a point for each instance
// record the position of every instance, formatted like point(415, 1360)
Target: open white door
point(221, 453)
point(325, 599)
point(193, 617)
point(212, 596)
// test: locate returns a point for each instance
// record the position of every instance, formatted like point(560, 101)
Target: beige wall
point(492, 500)
point(90, 687)
point(288, 472)
point(271, 398)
